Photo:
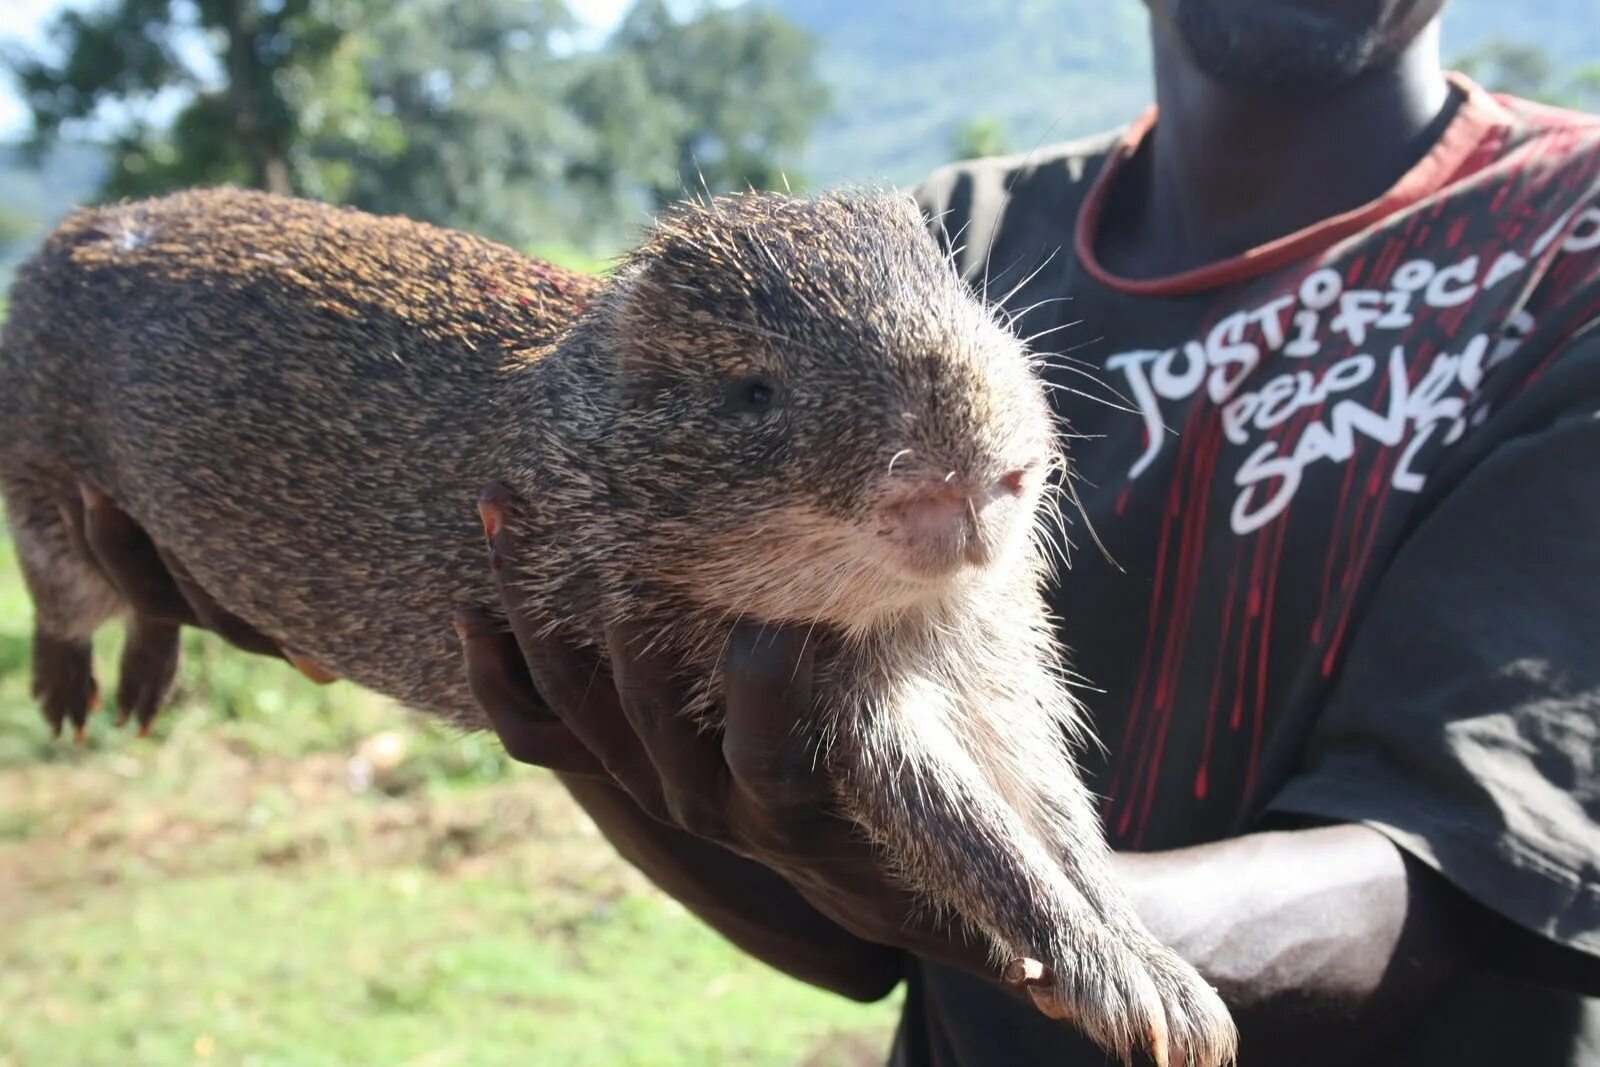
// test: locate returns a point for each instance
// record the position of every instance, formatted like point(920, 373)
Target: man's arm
point(1318, 937)
point(1322, 941)
point(1315, 936)
point(744, 901)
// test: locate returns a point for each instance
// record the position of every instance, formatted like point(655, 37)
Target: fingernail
point(459, 625)
point(92, 497)
point(490, 512)
point(1024, 971)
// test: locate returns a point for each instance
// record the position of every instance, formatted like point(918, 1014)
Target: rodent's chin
point(937, 561)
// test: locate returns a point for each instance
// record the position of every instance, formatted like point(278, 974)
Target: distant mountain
point(907, 73)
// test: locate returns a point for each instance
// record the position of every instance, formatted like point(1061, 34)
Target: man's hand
point(755, 786)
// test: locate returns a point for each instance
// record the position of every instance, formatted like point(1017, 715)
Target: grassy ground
point(289, 874)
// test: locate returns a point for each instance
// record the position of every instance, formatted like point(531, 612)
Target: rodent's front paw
point(1132, 997)
point(1200, 1032)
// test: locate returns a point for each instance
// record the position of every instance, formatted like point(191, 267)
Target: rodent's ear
point(650, 327)
point(632, 337)
point(627, 303)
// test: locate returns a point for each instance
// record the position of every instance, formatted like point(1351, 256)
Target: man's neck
point(1226, 170)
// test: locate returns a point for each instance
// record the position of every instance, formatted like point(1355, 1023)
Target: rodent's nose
point(1012, 482)
point(940, 524)
point(932, 516)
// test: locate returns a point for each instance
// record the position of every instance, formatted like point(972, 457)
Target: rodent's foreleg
point(908, 779)
point(1040, 777)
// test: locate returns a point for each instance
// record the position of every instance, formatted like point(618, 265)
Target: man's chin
point(1285, 46)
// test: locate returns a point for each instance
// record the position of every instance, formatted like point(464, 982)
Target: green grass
point(573, 258)
point(228, 893)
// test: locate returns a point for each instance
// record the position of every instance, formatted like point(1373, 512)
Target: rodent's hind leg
point(63, 681)
point(71, 598)
point(148, 668)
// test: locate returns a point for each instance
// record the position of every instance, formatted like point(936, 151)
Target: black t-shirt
point(1349, 488)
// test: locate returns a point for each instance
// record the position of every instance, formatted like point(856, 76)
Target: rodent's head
point(828, 424)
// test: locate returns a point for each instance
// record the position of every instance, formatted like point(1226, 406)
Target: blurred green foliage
point(1529, 72)
point(726, 98)
point(15, 226)
point(477, 114)
point(979, 137)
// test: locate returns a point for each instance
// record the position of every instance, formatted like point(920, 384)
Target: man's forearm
point(1319, 940)
point(749, 904)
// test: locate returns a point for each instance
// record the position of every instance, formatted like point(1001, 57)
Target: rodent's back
point(291, 398)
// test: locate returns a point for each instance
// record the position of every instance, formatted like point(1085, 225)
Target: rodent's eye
point(753, 394)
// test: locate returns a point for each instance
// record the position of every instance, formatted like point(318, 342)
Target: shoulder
point(1539, 117)
point(1541, 142)
point(968, 203)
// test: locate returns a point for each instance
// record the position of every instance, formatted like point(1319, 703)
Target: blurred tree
point(722, 100)
point(477, 96)
point(477, 114)
point(979, 137)
point(16, 227)
point(1528, 71)
point(241, 69)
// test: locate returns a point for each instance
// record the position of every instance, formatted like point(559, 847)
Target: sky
point(25, 20)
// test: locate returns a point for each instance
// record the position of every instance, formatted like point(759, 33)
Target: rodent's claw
point(309, 667)
point(1188, 1026)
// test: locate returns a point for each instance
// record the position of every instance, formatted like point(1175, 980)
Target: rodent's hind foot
point(149, 667)
point(1131, 1000)
point(63, 681)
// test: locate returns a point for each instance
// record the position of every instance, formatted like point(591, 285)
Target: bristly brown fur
point(264, 384)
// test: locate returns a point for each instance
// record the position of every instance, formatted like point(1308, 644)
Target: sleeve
point(945, 198)
point(1465, 722)
point(965, 205)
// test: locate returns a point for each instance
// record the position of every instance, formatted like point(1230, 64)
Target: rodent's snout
point(936, 524)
